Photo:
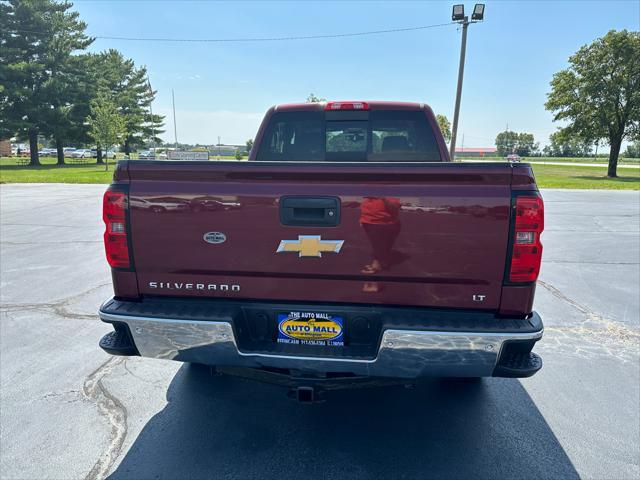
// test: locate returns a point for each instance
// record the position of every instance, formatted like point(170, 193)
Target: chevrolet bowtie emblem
point(310, 246)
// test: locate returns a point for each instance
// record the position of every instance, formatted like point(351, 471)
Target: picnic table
point(77, 161)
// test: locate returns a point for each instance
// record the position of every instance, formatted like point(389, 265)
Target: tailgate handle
point(310, 211)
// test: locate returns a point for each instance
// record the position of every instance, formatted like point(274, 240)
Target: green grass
point(569, 176)
point(621, 160)
point(49, 172)
point(547, 176)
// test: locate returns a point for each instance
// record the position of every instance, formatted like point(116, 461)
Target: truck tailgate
point(425, 235)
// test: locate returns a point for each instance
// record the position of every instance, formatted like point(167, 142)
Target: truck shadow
point(234, 428)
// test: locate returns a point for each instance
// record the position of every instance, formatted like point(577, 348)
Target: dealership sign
point(176, 155)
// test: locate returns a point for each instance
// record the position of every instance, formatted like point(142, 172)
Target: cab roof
point(371, 105)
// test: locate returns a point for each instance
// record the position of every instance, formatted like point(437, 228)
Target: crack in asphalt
point(60, 308)
point(112, 410)
point(70, 396)
point(594, 339)
point(558, 294)
point(155, 384)
point(93, 389)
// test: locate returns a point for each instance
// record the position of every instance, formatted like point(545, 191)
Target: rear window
point(349, 136)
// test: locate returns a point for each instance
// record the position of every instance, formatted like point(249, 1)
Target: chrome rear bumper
point(401, 353)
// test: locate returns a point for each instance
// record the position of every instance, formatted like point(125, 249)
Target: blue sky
point(223, 89)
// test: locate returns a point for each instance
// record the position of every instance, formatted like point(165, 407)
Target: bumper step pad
point(118, 342)
point(518, 365)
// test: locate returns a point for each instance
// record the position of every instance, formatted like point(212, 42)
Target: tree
point(130, 91)
point(509, 142)
point(249, 145)
point(313, 99)
point(526, 145)
point(599, 94)
point(67, 120)
point(633, 150)
point(563, 144)
point(506, 142)
point(238, 154)
point(445, 127)
point(37, 39)
point(106, 124)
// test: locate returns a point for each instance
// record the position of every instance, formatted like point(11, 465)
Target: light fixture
point(478, 12)
point(457, 13)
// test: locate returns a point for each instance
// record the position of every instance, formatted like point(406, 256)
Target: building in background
point(5, 148)
point(476, 152)
point(226, 150)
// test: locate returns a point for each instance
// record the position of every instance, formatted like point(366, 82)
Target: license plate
point(310, 328)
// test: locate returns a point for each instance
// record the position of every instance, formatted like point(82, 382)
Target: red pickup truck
point(349, 247)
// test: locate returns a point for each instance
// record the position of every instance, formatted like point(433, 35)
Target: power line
point(260, 39)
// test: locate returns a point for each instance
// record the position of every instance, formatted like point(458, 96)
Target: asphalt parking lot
point(68, 410)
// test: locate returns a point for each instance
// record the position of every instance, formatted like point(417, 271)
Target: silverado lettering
point(362, 252)
point(196, 286)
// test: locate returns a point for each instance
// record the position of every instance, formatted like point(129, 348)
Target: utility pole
point(508, 141)
point(175, 128)
point(459, 16)
point(153, 130)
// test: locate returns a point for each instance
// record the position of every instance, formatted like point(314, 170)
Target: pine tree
point(130, 91)
point(37, 70)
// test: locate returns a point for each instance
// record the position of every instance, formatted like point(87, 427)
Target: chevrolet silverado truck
point(348, 247)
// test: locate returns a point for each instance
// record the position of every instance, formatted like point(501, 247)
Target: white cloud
point(205, 126)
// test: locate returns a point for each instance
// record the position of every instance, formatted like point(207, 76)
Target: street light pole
point(153, 130)
point(457, 15)
point(456, 113)
point(175, 127)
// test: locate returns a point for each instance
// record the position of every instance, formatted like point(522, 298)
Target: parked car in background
point(147, 154)
point(105, 153)
point(513, 158)
point(68, 150)
point(47, 152)
point(21, 152)
point(82, 153)
point(20, 149)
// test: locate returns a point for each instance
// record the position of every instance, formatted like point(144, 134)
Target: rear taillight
point(114, 209)
point(527, 249)
point(347, 106)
